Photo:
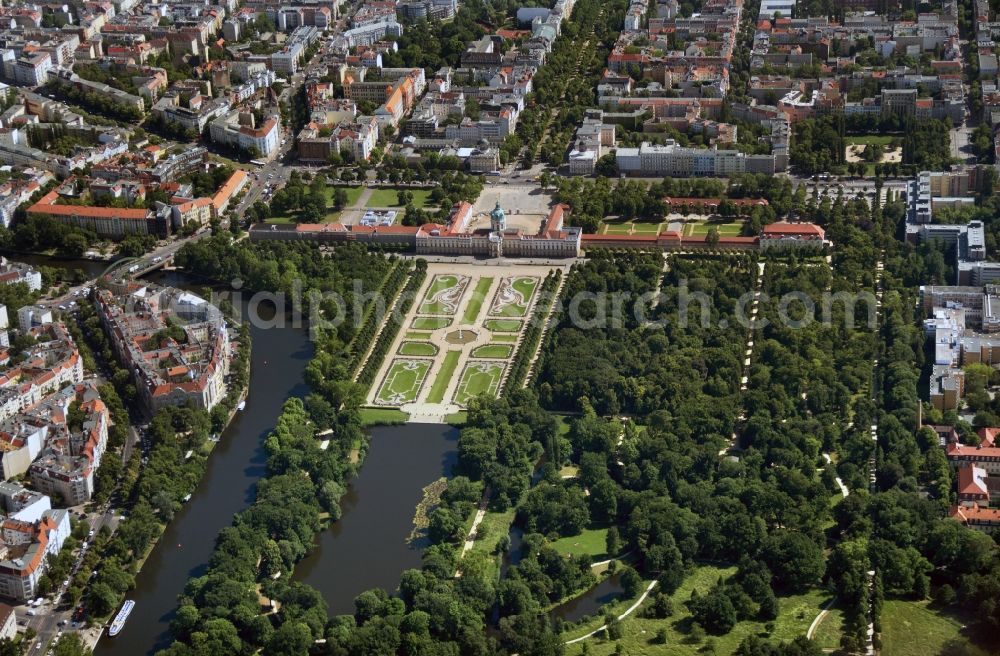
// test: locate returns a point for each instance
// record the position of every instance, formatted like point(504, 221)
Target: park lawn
point(476, 302)
point(457, 418)
point(500, 351)
point(382, 417)
point(503, 325)
point(505, 337)
point(440, 283)
point(590, 542)
point(869, 140)
point(525, 287)
point(646, 228)
point(911, 628)
point(389, 198)
point(796, 614)
point(331, 217)
point(403, 381)
point(617, 228)
point(353, 194)
point(478, 378)
point(701, 228)
point(430, 323)
point(413, 334)
point(417, 348)
point(827, 634)
point(448, 366)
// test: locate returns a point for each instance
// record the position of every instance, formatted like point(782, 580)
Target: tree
point(712, 238)
point(71, 644)
point(714, 612)
point(796, 560)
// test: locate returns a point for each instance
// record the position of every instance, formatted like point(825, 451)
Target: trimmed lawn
point(412, 334)
point(646, 228)
point(436, 395)
point(525, 287)
point(417, 348)
point(457, 418)
point(430, 323)
point(403, 381)
point(389, 198)
point(701, 229)
point(502, 325)
point(382, 417)
point(478, 378)
point(436, 299)
point(590, 542)
point(911, 628)
point(510, 306)
point(870, 139)
point(476, 302)
point(505, 337)
point(617, 228)
point(501, 351)
point(796, 614)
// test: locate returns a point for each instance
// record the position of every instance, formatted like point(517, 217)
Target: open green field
point(417, 348)
point(417, 335)
point(505, 337)
point(827, 634)
point(492, 529)
point(389, 198)
point(590, 542)
point(436, 395)
point(494, 351)
point(443, 295)
point(403, 381)
point(503, 325)
point(911, 628)
point(869, 140)
point(701, 228)
point(796, 614)
point(430, 323)
point(382, 417)
point(476, 302)
point(478, 378)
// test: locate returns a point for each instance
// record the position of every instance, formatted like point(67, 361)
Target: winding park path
point(631, 609)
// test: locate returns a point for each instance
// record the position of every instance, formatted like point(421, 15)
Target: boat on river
point(118, 623)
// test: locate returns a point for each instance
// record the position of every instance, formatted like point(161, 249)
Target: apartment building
point(15, 272)
point(169, 367)
point(238, 130)
point(31, 532)
point(65, 468)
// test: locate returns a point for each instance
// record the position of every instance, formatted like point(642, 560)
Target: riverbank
point(232, 401)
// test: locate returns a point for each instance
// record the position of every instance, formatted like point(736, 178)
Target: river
point(234, 468)
point(368, 547)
